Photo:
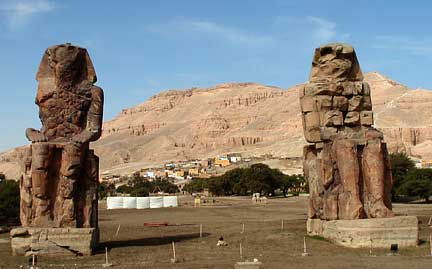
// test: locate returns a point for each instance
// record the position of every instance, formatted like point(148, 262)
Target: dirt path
point(137, 246)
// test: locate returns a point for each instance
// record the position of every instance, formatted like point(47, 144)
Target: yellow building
point(426, 163)
point(221, 162)
point(193, 172)
point(179, 173)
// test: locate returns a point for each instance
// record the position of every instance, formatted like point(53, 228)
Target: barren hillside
point(243, 117)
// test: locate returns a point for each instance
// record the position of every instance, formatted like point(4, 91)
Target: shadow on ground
point(148, 241)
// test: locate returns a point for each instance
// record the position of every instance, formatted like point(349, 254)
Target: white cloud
point(311, 28)
point(19, 12)
point(324, 30)
point(226, 33)
point(419, 47)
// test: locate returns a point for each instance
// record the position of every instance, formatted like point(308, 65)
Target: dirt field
point(137, 246)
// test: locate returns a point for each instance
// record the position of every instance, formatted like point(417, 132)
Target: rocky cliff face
point(249, 118)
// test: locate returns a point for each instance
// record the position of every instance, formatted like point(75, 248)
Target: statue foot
point(357, 211)
point(379, 210)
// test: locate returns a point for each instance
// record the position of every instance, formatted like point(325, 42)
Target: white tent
point(142, 202)
point(114, 202)
point(170, 201)
point(129, 202)
point(156, 202)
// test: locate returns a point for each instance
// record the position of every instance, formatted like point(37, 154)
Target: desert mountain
point(248, 118)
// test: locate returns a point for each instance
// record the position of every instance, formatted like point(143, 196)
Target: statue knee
point(40, 153)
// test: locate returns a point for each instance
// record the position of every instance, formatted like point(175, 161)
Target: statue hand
point(34, 135)
point(82, 137)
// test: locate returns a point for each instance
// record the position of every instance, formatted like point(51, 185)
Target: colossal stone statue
point(58, 188)
point(59, 183)
point(346, 163)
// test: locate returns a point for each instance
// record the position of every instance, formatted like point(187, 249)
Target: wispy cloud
point(319, 29)
point(19, 12)
point(324, 30)
point(418, 47)
point(226, 33)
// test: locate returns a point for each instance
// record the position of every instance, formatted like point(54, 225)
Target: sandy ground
point(137, 246)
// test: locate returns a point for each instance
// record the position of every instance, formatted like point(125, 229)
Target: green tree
point(216, 187)
point(196, 185)
point(140, 186)
point(105, 189)
point(9, 201)
point(242, 181)
point(400, 165)
point(418, 182)
point(165, 186)
point(287, 182)
point(303, 184)
point(234, 182)
point(125, 189)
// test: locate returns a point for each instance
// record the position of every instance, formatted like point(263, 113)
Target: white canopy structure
point(142, 202)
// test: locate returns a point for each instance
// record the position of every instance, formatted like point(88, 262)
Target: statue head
point(65, 65)
point(335, 62)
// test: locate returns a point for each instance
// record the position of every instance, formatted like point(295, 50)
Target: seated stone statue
point(59, 185)
point(346, 165)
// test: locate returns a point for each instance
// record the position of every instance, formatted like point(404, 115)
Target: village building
point(221, 161)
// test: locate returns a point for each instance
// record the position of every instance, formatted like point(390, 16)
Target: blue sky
point(142, 47)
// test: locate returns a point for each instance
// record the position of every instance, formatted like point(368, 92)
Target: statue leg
point(25, 189)
point(345, 153)
point(374, 177)
point(70, 171)
point(90, 209)
point(39, 167)
point(41, 156)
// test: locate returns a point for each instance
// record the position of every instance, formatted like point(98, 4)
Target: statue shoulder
point(96, 90)
point(97, 93)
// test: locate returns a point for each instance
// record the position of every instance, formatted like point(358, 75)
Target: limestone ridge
point(204, 122)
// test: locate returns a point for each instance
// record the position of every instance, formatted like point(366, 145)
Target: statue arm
point(95, 114)
point(93, 129)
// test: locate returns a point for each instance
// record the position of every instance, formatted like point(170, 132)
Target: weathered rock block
point(332, 118)
point(366, 118)
point(354, 103)
point(312, 119)
point(313, 134)
point(366, 233)
point(340, 103)
point(347, 166)
point(323, 102)
point(352, 118)
point(53, 241)
point(327, 133)
point(308, 104)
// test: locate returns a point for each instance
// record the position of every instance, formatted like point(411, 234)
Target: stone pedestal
point(376, 233)
point(54, 241)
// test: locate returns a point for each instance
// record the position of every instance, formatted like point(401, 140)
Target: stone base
point(375, 233)
point(54, 241)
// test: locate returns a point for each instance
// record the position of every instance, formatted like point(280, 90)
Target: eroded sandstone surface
point(58, 187)
point(346, 161)
point(242, 117)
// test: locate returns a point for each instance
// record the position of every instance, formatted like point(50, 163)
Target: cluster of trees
point(259, 178)
point(9, 201)
point(105, 190)
point(409, 180)
point(140, 186)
